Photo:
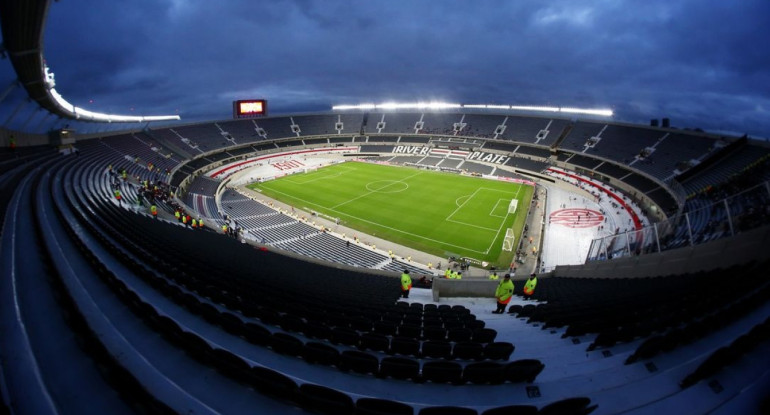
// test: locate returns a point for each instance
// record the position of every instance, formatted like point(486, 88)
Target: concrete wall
point(443, 287)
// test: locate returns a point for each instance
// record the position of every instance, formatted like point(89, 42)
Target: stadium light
point(86, 115)
point(447, 105)
point(602, 112)
point(534, 108)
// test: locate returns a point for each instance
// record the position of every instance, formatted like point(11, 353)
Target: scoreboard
point(249, 108)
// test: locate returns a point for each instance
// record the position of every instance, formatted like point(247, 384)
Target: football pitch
point(444, 214)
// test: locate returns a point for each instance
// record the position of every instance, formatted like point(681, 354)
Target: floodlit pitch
point(439, 213)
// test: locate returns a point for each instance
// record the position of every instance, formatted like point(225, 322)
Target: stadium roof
point(22, 28)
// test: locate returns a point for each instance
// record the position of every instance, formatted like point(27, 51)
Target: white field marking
point(449, 218)
point(370, 192)
point(470, 224)
point(391, 182)
point(471, 197)
point(457, 201)
point(322, 176)
point(501, 225)
point(380, 225)
point(492, 212)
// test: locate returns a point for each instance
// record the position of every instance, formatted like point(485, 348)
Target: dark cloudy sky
point(702, 63)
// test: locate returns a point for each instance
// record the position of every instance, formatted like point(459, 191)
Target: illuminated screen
point(247, 108)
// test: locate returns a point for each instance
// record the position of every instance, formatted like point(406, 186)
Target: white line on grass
point(376, 224)
point(502, 225)
point(375, 191)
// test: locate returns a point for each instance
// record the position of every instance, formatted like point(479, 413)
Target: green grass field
point(439, 213)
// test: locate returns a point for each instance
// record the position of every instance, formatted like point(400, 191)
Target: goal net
point(508, 240)
point(512, 207)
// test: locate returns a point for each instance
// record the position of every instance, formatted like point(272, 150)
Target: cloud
point(695, 61)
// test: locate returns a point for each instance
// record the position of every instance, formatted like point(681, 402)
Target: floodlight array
point(447, 105)
point(86, 115)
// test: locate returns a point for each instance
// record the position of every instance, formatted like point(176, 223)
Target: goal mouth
point(512, 207)
point(508, 240)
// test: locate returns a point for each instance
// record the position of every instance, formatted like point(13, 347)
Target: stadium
point(252, 264)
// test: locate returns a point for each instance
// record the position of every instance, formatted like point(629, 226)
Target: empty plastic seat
point(400, 368)
point(434, 333)
point(468, 351)
point(359, 362)
point(374, 341)
point(231, 323)
point(484, 335)
point(484, 372)
point(374, 406)
point(325, 400)
point(569, 406)
point(361, 324)
point(287, 344)
point(405, 346)
point(290, 322)
point(442, 372)
point(512, 410)
point(256, 334)
point(411, 331)
point(231, 365)
point(321, 353)
point(273, 383)
point(525, 370)
point(346, 336)
point(387, 328)
point(498, 350)
point(459, 335)
point(437, 349)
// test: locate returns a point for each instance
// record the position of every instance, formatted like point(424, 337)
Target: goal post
point(512, 207)
point(508, 240)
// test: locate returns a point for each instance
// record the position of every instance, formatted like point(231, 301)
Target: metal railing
point(710, 221)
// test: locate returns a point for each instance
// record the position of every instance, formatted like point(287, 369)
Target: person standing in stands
point(448, 273)
point(529, 286)
point(406, 284)
point(503, 294)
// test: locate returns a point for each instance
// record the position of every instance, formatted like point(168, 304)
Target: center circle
point(386, 186)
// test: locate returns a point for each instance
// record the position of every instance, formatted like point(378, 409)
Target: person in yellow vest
point(459, 276)
point(493, 276)
point(224, 229)
point(447, 273)
point(200, 223)
point(118, 196)
point(194, 224)
point(178, 215)
point(184, 219)
point(154, 211)
point(406, 284)
point(430, 265)
point(454, 275)
point(529, 286)
point(503, 293)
